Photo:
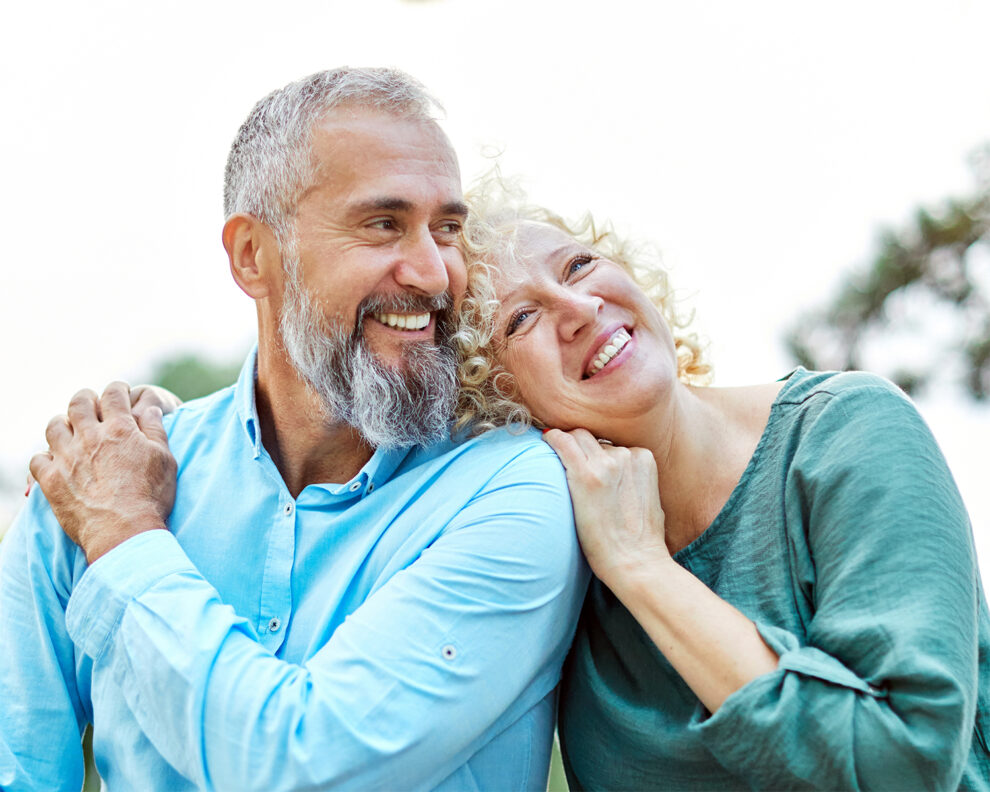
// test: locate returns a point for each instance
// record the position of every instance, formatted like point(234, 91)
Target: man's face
point(372, 275)
point(383, 220)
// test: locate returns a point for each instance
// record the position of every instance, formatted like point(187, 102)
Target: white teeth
point(404, 321)
point(612, 348)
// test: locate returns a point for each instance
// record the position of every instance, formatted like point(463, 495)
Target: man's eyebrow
point(455, 208)
point(381, 205)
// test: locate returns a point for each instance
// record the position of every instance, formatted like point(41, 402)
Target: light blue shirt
point(402, 630)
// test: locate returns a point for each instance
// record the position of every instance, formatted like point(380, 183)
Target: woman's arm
point(620, 523)
point(880, 687)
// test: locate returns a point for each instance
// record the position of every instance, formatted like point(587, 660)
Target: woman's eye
point(515, 320)
point(578, 263)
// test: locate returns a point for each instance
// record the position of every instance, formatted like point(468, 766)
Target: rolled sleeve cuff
point(754, 698)
point(109, 585)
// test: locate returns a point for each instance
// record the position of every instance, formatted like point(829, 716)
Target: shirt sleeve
point(881, 692)
point(440, 659)
point(41, 713)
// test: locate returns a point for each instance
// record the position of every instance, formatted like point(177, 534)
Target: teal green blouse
point(847, 543)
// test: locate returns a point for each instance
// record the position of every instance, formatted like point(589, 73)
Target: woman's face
point(584, 343)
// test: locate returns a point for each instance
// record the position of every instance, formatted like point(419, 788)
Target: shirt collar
point(376, 471)
point(247, 411)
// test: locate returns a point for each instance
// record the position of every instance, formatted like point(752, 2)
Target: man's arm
point(439, 660)
point(42, 713)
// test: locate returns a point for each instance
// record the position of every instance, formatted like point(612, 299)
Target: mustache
point(404, 303)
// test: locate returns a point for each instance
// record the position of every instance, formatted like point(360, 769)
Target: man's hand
point(108, 475)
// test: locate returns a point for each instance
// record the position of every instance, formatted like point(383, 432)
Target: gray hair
point(270, 164)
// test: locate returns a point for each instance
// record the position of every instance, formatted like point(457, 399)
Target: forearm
point(711, 644)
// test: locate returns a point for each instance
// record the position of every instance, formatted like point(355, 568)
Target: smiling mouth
point(608, 350)
point(399, 321)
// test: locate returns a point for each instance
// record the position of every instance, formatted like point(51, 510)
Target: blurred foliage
point(934, 254)
point(557, 781)
point(190, 376)
point(91, 780)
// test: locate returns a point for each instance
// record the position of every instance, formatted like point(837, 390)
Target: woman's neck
point(702, 440)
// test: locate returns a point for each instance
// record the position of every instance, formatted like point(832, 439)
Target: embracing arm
point(435, 663)
point(620, 522)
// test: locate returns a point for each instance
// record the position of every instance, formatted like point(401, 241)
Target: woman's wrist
point(633, 576)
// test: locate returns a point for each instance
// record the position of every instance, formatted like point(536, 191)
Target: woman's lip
point(600, 340)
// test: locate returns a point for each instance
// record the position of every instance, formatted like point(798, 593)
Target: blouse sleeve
point(881, 691)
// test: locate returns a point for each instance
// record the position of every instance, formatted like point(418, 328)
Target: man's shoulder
point(487, 453)
point(201, 418)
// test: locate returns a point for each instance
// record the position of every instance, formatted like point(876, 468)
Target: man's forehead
point(364, 131)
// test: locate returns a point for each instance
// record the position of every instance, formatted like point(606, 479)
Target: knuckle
point(82, 397)
point(55, 424)
point(117, 386)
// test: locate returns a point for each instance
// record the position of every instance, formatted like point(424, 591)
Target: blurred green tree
point(921, 309)
point(190, 376)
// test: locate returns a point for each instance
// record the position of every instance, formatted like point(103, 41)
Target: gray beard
point(391, 408)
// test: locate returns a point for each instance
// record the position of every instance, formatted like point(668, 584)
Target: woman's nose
point(576, 311)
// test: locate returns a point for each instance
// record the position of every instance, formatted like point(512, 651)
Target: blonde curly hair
point(489, 395)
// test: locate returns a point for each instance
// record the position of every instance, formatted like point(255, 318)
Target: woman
point(786, 593)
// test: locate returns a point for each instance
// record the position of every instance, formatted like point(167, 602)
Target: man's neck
point(304, 446)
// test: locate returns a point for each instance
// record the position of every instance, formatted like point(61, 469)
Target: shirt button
point(449, 652)
point(274, 625)
point(371, 486)
point(289, 508)
point(355, 486)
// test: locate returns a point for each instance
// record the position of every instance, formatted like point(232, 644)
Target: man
point(343, 597)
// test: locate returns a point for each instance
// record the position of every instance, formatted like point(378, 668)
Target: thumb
point(149, 421)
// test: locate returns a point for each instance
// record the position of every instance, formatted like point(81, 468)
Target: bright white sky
point(760, 144)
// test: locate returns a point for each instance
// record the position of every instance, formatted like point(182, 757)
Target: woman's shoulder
point(840, 391)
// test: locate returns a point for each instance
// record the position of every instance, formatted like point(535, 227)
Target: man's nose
point(576, 311)
point(422, 269)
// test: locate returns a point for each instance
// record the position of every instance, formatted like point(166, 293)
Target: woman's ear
point(255, 258)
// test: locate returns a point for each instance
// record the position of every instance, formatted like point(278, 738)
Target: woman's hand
point(616, 498)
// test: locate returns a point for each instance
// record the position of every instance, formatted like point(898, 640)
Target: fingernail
point(27, 490)
point(546, 430)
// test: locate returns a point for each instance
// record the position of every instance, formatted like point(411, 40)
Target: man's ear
point(255, 258)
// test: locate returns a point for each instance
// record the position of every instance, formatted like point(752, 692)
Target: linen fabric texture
point(847, 543)
point(403, 630)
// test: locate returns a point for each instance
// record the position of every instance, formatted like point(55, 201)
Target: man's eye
point(384, 223)
point(578, 263)
point(453, 227)
point(515, 320)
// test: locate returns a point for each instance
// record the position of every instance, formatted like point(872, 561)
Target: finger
point(30, 481)
point(587, 442)
point(567, 447)
point(115, 403)
point(149, 421)
point(83, 409)
point(58, 433)
point(144, 396)
point(38, 465)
